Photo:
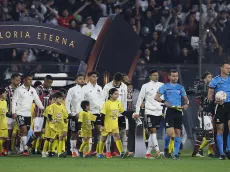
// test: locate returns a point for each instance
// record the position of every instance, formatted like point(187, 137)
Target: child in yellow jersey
point(85, 122)
point(50, 134)
point(57, 114)
point(3, 122)
point(109, 115)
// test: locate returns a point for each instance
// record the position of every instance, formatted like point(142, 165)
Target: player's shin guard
point(119, 146)
point(108, 143)
point(220, 144)
point(228, 143)
point(197, 145)
point(177, 142)
point(101, 147)
point(166, 140)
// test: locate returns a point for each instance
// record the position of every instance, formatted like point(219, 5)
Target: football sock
point(219, 140)
point(124, 142)
point(119, 146)
point(12, 143)
point(34, 144)
point(171, 145)
point(108, 143)
point(45, 147)
point(60, 146)
point(73, 144)
point(228, 143)
point(210, 151)
point(63, 144)
point(97, 148)
point(177, 142)
point(50, 146)
point(38, 143)
point(87, 147)
point(31, 139)
point(197, 145)
point(24, 141)
point(150, 145)
point(101, 147)
point(1, 143)
point(90, 144)
point(204, 143)
point(155, 141)
point(167, 140)
point(54, 145)
point(8, 144)
point(82, 146)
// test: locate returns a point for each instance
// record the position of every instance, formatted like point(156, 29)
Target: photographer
point(205, 117)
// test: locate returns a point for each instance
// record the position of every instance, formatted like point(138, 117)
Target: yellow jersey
point(86, 118)
point(3, 111)
point(59, 114)
point(111, 110)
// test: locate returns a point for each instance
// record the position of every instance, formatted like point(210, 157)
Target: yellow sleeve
point(93, 117)
point(6, 107)
point(50, 110)
point(65, 113)
point(80, 119)
point(103, 110)
point(45, 113)
point(121, 108)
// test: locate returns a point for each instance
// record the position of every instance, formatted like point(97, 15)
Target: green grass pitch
point(38, 164)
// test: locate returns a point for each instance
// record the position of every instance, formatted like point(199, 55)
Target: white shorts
point(207, 122)
point(38, 124)
point(10, 123)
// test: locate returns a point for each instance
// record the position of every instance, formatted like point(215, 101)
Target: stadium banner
point(44, 36)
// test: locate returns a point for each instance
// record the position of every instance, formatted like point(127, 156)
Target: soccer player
point(57, 114)
point(173, 93)
point(153, 110)
point(92, 92)
point(10, 142)
point(222, 110)
point(21, 108)
point(122, 89)
point(109, 115)
point(44, 91)
point(3, 122)
point(85, 124)
point(73, 101)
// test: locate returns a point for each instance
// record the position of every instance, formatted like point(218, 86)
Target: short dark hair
point(52, 96)
point(224, 62)
point(78, 75)
point(62, 90)
point(49, 77)
point(84, 104)
point(153, 71)
point(112, 90)
point(118, 76)
point(27, 75)
point(58, 94)
point(204, 75)
point(37, 83)
point(2, 90)
point(117, 6)
point(15, 75)
point(93, 73)
point(172, 71)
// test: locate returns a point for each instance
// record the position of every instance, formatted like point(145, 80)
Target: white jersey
point(94, 95)
point(73, 100)
point(23, 99)
point(122, 93)
point(148, 92)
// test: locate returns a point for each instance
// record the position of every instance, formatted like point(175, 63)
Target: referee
point(222, 110)
point(173, 93)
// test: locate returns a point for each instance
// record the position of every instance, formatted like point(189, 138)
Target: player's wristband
point(162, 101)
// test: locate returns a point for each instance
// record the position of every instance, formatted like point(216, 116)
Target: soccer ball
point(221, 96)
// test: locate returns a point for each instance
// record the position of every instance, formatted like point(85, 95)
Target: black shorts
point(98, 120)
point(121, 122)
point(23, 121)
point(73, 124)
point(222, 113)
point(173, 118)
point(153, 121)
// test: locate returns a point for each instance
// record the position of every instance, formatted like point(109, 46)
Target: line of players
point(154, 93)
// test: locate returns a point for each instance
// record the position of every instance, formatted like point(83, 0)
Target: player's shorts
point(173, 118)
point(23, 121)
point(50, 133)
point(4, 133)
point(106, 133)
point(10, 123)
point(207, 122)
point(121, 122)
point(86, 133)
point(38, 124)
point(222, 113)
point(73, 125)
point(98, 120)
point(153, 121)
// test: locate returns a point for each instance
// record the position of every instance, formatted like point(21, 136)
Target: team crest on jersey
point(3, 110)
point(98, 90)
point(32, 92)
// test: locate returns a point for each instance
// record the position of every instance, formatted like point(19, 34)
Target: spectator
point(155, 48)
point(148, 21)
point(31, 15)
point(17, 10)
point(5, 11)
point(73, 25)
point(9, 71)
point(146, 55)
point(185, 57)
point(88, 28)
